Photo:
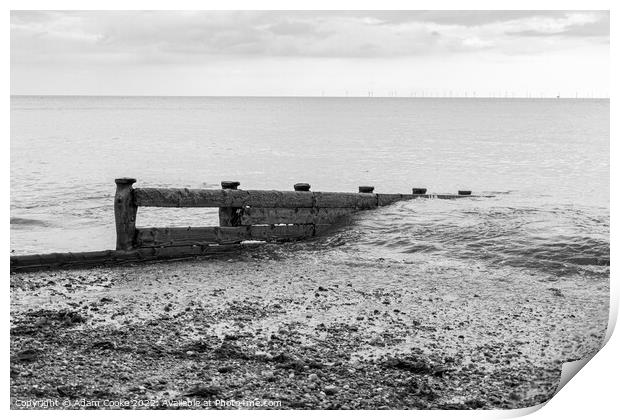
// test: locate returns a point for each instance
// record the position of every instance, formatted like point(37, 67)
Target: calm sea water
point(545, 160)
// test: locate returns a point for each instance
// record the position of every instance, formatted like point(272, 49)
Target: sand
point(295, 328)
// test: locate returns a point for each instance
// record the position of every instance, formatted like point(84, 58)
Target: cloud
point(590, 25)
point(166, 36)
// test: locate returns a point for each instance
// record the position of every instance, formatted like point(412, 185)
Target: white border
point(593, 393)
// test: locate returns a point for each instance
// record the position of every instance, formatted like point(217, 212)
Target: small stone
point(313, 377)
point(28, 355)
point(204, 391)
point(330, 390)
point(377, 341)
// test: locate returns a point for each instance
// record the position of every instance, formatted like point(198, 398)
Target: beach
point(304, 327)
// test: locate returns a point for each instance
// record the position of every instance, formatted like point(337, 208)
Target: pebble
point(377, 340)
point(313, 377)
point(263, 355)
point(330, 390)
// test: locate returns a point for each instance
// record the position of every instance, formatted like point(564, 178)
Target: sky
point(311, 53)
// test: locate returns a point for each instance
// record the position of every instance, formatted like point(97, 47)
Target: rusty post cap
point(418, 191)
point(366, 188)
point(464, 192)
point(302, 186)
point(125, 181)
point(230, 185)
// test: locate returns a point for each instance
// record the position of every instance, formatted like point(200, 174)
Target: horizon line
point(314, 96)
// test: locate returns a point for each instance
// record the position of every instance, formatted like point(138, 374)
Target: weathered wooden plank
point(178, 197)
point(265, 216)
point(387, 199)
point(21, 263)
point(281, 232)
point(158, 237)
point(149, 237)
point(349, 200)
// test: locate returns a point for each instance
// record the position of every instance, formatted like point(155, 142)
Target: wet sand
point(308, 329)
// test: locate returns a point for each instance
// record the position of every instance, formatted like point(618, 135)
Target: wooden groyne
point(244, 215)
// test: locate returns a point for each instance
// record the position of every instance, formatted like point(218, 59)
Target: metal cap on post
point(418, 191)
point(230, 185)
point(125, 181)
point(366, 189)
point(464, 192)
point(302, 186)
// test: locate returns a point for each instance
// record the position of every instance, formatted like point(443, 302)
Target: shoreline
point(311, 329)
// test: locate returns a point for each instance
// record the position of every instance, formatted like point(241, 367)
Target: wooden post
point(418, 191)
point(230, 185)
point(230, 216)
point(366, 189)
point(125, 210)
point(302, 186)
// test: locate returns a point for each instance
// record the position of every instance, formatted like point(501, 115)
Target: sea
point(543, 163)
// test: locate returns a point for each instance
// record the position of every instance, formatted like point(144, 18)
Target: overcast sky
point(311, 53)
